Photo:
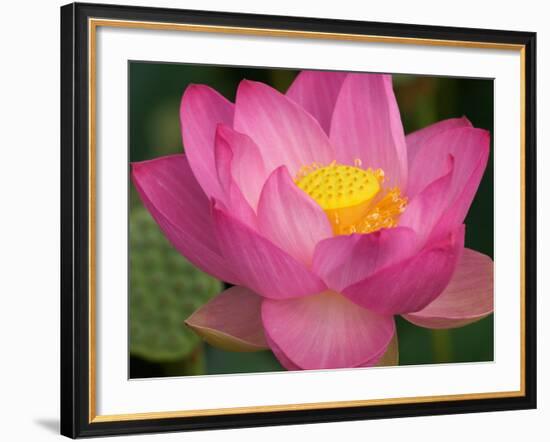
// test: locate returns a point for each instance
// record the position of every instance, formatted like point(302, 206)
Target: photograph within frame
point(162, 340)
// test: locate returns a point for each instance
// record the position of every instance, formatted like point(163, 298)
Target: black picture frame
point(75, 219)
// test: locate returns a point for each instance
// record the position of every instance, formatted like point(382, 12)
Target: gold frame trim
point(93, 24)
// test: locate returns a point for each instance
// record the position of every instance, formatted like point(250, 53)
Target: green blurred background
point(165, 288)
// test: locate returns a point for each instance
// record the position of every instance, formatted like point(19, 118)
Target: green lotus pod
point(164, 290)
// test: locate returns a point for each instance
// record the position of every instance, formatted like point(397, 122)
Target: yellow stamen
point(352, 198)
point(384, 214)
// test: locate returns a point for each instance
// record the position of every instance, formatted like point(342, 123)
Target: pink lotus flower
point(328, 220)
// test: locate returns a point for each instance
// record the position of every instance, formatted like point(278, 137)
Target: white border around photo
point(116, 394)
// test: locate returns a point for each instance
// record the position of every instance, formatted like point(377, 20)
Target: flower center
point(352, 197)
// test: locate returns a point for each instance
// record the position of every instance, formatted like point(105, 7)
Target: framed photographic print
point(278, 220)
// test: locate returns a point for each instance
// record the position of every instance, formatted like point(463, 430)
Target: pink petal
point(378, 360)
point(415, 140)
point(467, 298)
point(284, 132)
point(316, 92)
point(231, 321)
point(366, 125)
point(468, 146)
point(290, 218)
point(201, 110)
point(412, 284)
point(425, 210)
point(325, 331)
point(281, 357)
point(260, 264)
point(232, 198)
point(223, 157)
point(343, 260)
point(463, 192)
point(247, 166)
point(172, 195)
